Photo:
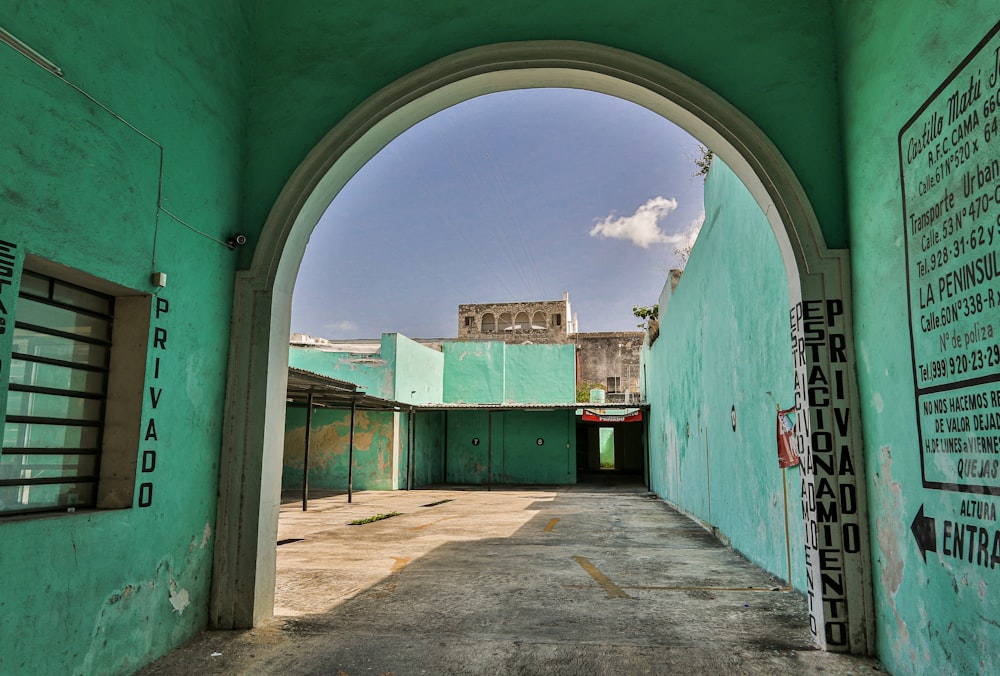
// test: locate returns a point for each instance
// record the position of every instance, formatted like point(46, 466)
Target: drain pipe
point(305, 461)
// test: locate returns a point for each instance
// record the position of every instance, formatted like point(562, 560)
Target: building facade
point(545, 321)
point(140, 138)
point(608, 360)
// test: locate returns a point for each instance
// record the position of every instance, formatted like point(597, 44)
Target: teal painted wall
point(543, 374)
point(468, 450)
point(237, 97)
point(474, 373)
point(419, 372)
point(724, 342)
point(402, 370)
point(607, 441)
point(525, 461)
point(374, 374)
point(938, 615)
point(429, 451)
point(779, 71)
point(492, 372)
point(515, 456)
point(328, 450)
point(107, 591)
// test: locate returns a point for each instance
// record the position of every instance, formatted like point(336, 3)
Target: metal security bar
point(56, 397)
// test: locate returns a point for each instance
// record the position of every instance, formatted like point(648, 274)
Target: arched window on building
point(538, 320)
point(521, 321)
point(506, 323)
point(489, 322)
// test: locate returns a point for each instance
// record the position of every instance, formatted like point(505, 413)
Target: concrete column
point(246, 526)
point(828, 433)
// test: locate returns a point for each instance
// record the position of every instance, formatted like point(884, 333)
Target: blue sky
point(512, 196)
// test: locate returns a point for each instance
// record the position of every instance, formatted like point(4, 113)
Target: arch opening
point(243, 581)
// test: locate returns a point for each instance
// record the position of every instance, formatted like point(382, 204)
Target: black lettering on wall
point(823, 431)
point(151, 437)
point(949, 163)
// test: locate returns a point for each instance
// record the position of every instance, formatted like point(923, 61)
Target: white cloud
point(643, 227)
point(338, 329)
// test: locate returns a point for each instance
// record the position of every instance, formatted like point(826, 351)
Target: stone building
point(611, 359)
point(608, 359)
point(172, 158)
point(544, 321)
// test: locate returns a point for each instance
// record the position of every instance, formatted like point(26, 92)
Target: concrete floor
point(588, 579)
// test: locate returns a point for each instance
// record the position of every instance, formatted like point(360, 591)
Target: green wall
point(419, 372)
point(606, 435)
point(402, 370)
point(107, 591)
point(724, 343)
point(540, 374)
point(779, 70)
point(939, 615)
point(429, 449)
point(374, 374)
point(515, 456)
point(237, 96)
point(474, 373)
point(329, 445)
point(492, 372)
point(469, 452)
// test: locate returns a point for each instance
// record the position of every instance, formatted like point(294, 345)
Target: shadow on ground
point(591, 579)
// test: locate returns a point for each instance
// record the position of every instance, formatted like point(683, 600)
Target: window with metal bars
point(56, 397)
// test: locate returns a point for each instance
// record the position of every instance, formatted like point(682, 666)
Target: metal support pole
point(413, 449)
point(305, 462)
point(409, 446)
point(350, 452)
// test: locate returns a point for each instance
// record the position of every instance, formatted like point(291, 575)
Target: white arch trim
point(243, 579)
point(526, 65)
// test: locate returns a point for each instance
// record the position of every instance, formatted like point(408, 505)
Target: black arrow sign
point(924, 532)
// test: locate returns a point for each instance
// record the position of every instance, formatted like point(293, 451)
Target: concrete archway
point(818, 280)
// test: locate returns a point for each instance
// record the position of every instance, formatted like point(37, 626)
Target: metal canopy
point(330, 392)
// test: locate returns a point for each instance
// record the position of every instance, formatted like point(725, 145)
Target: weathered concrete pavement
point(579, 580)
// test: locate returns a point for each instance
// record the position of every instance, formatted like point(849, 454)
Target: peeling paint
point(890, 559)
point(126, 591)
point(179, 600)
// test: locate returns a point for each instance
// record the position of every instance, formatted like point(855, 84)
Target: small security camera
point(239, 239)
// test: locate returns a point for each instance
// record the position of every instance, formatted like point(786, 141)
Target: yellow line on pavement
point(613, 590)
point(552, 524)
point(433, 523)
point(400, 563)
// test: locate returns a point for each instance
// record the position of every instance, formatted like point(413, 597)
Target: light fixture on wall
point(239, 239)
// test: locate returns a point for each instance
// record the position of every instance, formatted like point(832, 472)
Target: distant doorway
point(605, 448)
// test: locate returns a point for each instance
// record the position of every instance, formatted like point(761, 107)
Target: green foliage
point(646, 313)
point(703, 162)
point(370, 519)
point(583, 390)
